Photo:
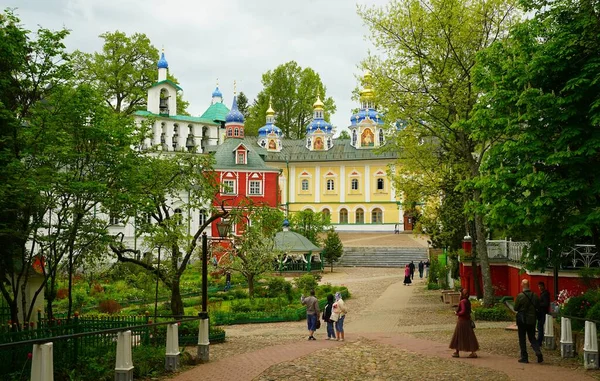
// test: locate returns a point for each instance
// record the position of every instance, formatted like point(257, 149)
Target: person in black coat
point(327, 318)
point(543, 310)
point(421, 268)
point(411, 266)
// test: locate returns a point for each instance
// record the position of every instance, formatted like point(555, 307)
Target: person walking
point(327, 318)
point(339, 314)
point(411, 265)
point(526, 305)
point(543, 310)
point(421, 268)
point(227, 280)
point(464, 338)
point(407, 280)
point(312, 313)
point(427, 264)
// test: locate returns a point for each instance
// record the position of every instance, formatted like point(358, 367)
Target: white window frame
point(230, 184)
point(382, 184)
point(252, 192)
point(302, 182)
point(352, 182)
point(202, 217)
point(344, 221)
point(240, 155)
point(330, 185)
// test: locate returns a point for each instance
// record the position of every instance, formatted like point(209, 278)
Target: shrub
point(240, 306)
point(97, 289)
point(149, 361)
point(62, 293)
point(306, 283)
point(239, 294)
point(109, 306)
point(496, 313)
point(277, 286)
point(433, 286)
point(594, 313)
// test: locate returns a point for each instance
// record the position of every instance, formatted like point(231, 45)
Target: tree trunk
point(176, 302)
point(331, 266)
point(474, 264)
point(250, 279)
point(488, 290)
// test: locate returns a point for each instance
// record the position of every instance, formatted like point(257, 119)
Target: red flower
point(29, 355)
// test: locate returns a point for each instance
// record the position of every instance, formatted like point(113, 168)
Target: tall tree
point(344, 135)
point(310, 224)
point(293, 90)
point(33, 65)
point(541, 94)
point(161, 191)
point(242, 102)
point(424, 77)
point(333, 247)
point(123, 71)
point(256, 252)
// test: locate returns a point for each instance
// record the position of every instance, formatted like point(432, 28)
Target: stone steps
point(381, 256)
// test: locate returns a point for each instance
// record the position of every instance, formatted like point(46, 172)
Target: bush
point(496, 313)
point(239, 294)
point(149, 361)
point(594, 313)
point(62, 293)
point(277, 286)
point(433, 286)
point(109, 306)
point(306, 283)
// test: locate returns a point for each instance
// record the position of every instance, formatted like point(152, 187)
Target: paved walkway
point(379, 322)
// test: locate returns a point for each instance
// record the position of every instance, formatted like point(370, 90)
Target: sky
point(226, 40)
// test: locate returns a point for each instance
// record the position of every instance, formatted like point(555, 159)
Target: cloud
point(231, 39)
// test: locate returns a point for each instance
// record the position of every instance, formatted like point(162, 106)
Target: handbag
point(334, 316)
point(318, 325)
point(521, 319)
point(472, 324)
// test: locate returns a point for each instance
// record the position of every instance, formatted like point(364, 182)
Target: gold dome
point(367, 92)
point(318, 104)
point(270, 110)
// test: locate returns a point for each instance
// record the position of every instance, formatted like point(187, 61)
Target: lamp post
point(223, 227)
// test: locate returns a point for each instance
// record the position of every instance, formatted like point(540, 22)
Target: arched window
point(178, 216)
point(308, 141)
point(360, 216)
point(354, 184)
point(328, 143)
point(236, 132)
point(343, 216)
point(381, 141)
point(326, 213)
point(229, 132)
point(380, 184)
point(330, 185)
point(376, 216)
point(305, 185)
point(202, 217)
point(354, 137)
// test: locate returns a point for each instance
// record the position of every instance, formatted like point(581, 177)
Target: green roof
point(225, 155)
point(168, 81)
point(291, 242)
point(296, 151)
point(216, 111)
point(181, 118)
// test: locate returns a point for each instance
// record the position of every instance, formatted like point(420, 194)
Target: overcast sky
point(228, 39)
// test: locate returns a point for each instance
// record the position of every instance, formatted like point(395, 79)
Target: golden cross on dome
point(234, 87)
point(217, 82)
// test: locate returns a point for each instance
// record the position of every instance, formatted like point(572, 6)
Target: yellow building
point(345, 178)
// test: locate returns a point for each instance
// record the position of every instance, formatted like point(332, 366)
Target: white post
point(549, 342)
point(590, 346)
point(124, 364)
point(42, 365)
point(203, 341)
point(566, 338)
point(172, 355)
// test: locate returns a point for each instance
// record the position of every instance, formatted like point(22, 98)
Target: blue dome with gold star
point(268, 128)
point(319, 124)
point(234, 116)
point(162, 62)
point(363, 114)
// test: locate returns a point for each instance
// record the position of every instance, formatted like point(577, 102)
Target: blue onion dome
point(234, 116)
point(268, 128)
point(286, 223)
point(162, 62)
point(364, 114)
point(319, 124)
point(217, 93)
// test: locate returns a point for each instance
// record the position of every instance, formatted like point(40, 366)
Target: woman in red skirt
point(464, 336)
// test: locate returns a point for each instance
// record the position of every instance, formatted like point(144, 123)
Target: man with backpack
point(526, 306)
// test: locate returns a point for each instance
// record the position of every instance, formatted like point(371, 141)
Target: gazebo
point(299, 254)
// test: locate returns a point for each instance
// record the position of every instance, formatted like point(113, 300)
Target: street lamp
point(223, 228)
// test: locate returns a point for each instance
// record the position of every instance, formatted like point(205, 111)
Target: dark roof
point(225, 155)
point(296, 151)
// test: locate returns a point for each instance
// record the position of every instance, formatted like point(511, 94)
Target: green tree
point(293, 91)
point(256, 253)
point(123, 71)
point(424, 78)
point(541, 89)
point(33, 65)
point(333, 248)
point(161, 191)
point(242, 101)
point(309, 224)
point(344, 135)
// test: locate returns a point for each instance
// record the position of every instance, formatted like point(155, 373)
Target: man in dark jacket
point(421, 268)
point(527, 303)
point(543, 310)
point(411, 266)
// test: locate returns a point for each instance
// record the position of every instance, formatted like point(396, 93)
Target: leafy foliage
point(306, 283)
point(293, 91)
point(333, 248)
point(309, 224)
